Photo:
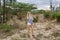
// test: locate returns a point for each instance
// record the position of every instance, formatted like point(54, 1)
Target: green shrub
point(46, 15)
point(35, 19)
point(57, 15)
point(53, 15)
point(5, 27)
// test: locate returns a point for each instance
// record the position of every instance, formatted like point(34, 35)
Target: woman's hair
point(29, 13)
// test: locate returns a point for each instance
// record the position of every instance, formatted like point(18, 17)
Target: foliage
point(47, 14)
point(53, 15)
point(24, 7)
point(57, 15)
point(38, 11)
point(13, 7)
point(35, 19)
point(41, 11)
point(5, 27)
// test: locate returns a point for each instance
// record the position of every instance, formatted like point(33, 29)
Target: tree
point(4, 15)
point(0, 3)
point(13, 7)
point(7, 6)
point(24, 7)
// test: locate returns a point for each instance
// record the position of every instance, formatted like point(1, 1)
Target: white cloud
point(41, 4)
point(57, 0)
point(47, 7)
point(23, 1)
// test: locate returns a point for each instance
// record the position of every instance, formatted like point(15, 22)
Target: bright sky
point(41, 4)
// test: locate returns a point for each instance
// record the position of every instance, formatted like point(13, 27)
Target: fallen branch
point(49, 26)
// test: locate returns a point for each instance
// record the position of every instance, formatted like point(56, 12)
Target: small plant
point(35, 19)
point(5, 27)
point(57, 15)
point(53, 16)
point(47, 15)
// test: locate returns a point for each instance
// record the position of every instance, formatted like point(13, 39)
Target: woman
point(30, 22)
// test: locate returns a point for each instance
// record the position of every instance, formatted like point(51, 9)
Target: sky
point(41, 4)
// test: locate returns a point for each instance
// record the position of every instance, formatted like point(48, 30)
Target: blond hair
point(29, 15)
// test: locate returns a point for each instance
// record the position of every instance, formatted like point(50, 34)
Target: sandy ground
point(42, 31)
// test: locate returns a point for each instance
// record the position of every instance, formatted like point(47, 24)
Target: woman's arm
point(28, 16)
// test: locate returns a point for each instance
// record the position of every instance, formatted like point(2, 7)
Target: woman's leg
point(28, 29)
point(32, 29)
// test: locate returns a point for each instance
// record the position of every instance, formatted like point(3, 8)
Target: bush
point(57, 15)
point(35, 19)
point(46, 15)
point(53, 16)
point(5, 27)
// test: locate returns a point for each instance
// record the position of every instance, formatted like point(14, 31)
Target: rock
point(16, 36)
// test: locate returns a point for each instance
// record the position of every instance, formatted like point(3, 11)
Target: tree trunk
point(0, 3)
point(4, 13)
